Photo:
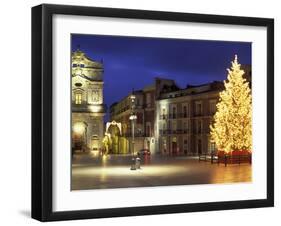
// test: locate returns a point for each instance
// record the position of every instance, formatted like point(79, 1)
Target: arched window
point(78, 96)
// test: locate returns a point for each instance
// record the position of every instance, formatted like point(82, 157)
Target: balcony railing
point(182, 115)
point(169, 131)
point(174, 116)
point(198, 114)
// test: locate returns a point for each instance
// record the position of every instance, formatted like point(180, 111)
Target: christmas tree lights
point(232, 126)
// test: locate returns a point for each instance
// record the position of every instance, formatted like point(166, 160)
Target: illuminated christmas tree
point(232, 127)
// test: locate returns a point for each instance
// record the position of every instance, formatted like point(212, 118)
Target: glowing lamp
point(95, 108)
point(78, 128)
point(133, 97)
point(133, 117)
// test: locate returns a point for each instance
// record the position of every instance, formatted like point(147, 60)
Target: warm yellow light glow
point(133, 97)
point(109, 171)
point(78, 98)
point(133, 117)
point(113, 123)
point(232, 127)
point(78, 128)
point(95, 108)
point(95, 153)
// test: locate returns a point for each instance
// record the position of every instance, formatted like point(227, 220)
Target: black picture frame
point(42, 108)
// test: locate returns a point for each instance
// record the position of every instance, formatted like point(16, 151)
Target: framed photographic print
point(145, 112)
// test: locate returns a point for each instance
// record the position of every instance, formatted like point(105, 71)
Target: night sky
point(134, 62)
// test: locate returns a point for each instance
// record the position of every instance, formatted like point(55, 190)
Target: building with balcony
point(171, 120)
point(145, 111)
point(184, 118)
point(88, 109)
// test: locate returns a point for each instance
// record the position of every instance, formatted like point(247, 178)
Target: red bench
point(234, 157)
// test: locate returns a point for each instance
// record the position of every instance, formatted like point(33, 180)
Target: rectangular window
point(139, 118)
point(148, 130)
point(198, 108)
point(163, 113)
point(164, 126)
point(213, 107)
point(185, 146)
point(164, 145)
point(184, 111)
point(174, 112)
point(185, 127)
point(95, 96)
point(212, 147)
point(148, 100)
point(78, 98)
point(174, 127)
point(199, 126)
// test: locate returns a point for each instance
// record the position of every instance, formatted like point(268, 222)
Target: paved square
point(113, 171)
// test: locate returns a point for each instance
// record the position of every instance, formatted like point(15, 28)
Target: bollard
point(138, 163)
point(133, 166)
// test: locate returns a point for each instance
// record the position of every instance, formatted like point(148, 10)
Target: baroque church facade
point(88, 109)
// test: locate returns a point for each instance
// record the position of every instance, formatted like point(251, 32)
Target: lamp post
point(133, 118)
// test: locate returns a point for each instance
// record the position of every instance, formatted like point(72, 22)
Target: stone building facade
point(88, 109)
point(184, 118)
point(120, 112)
point(145, 110)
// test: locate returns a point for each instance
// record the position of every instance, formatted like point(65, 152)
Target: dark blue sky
point(133, 62)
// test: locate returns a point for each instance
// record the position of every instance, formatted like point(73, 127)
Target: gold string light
point(232, 127)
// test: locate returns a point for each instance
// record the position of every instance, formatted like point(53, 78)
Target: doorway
point(174, 147)
point(199, 147)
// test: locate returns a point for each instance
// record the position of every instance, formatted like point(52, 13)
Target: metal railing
point(169, 131)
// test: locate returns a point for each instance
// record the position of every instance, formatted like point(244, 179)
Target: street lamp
point(133, 118)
